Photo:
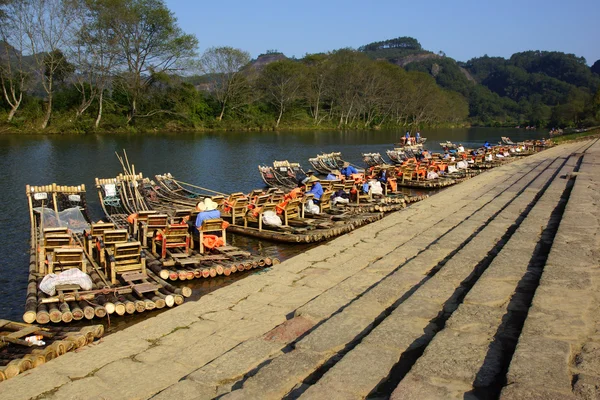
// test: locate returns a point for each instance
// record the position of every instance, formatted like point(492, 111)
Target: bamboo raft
point(138, 195)
point(56, 243)
point(18, 355)
point(282, 175)
point(324, 163)
point(338, 220)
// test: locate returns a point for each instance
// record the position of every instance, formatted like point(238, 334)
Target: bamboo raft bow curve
point(282, 175)
point(63, 238)
point(19, 354)
point(154, 214)
point(324, 163)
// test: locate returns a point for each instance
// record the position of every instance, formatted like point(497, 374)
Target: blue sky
point(463, 29)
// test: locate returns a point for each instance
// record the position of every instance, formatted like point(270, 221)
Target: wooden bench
point(238, 208)
point(294, 209)
point(211, 225)
point(172, 237)
point(126, 257)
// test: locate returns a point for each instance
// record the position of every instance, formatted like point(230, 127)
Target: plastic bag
point(270, 218)
point(70, 276)
point(311, 208)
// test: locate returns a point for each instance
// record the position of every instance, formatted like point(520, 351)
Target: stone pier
point(489, 289)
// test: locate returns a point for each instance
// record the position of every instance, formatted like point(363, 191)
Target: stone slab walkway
point(487, 289)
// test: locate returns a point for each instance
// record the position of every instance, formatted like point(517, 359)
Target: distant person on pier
point(417, 137)
point(348, 170)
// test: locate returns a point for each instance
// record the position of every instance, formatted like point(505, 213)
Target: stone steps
point(322, 347)
point(466, 357)
point(557, 355)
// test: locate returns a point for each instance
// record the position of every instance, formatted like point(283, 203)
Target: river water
point(222, 161)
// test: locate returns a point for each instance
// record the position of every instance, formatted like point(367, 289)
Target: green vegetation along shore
point(126, 66)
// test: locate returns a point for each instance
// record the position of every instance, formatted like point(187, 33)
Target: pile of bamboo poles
point(15, 359)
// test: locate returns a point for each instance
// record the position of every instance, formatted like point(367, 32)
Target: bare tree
point(224, 66)
point(94, 52)
point(280, 82)
point(14, 72)
point(46, 24)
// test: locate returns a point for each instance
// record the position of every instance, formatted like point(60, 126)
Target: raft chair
point(292, 209)
point(238, 208)
point(175, 236)
point(211, 225)
point(53, 238)
point(106, 243)
point(220, 200)
point(255, 214)
point(326, 200)
point(96, 230)
point(142, 216)
point(153, 223)
point(63, 258)
point(126, 257)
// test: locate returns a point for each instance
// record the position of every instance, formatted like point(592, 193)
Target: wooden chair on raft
point(53, 238)
point(126, 257)
point(63, 258)
point(153, 223)
point(141, 217)
point(106, 243)
point(175, 236)
point(238, 208)
point(208, 226)
point(293, 209)
point(96, 230)
point(256, 214)
point(326, 200)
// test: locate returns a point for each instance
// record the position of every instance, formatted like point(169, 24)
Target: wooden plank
point(23, 332)
point(133, 276)
point(145, 288)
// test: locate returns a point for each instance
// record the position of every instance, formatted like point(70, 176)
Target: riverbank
point(473, 292)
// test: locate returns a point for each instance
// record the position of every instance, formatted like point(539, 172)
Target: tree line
point(126, 65)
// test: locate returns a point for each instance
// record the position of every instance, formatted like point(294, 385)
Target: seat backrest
point(53, 240)
point(262, 200)
point(157, 220)
point(326, 197)
point(183, 212)
point(176, 233)
point(143, 215)
point(211, 225)
point(240, 203)
point(220, 200)
point(127, 252)
point(60, 229)
point(68, 257)
point(114, 236)
point(98, 228)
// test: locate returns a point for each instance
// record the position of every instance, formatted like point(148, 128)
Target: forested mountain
point(125, 65)
point(534, 87)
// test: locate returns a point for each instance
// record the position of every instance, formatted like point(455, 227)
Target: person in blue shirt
point(207, 209)
point(487, 145)
point(418, 136)
point(333, 175)
point(348, 170)
point(316, 189)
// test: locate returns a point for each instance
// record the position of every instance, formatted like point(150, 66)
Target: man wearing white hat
point(207, 209)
